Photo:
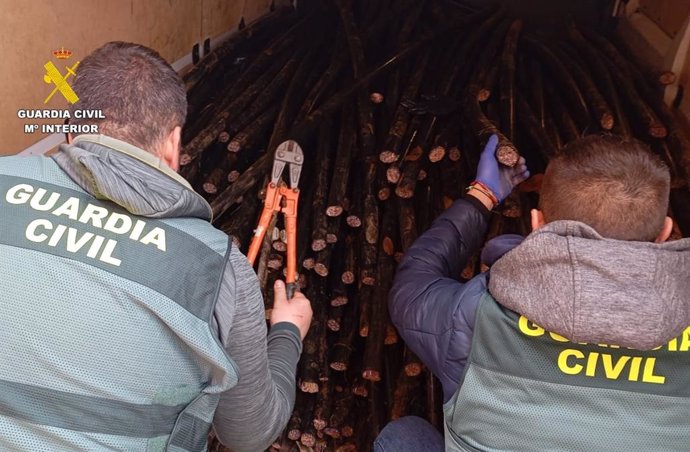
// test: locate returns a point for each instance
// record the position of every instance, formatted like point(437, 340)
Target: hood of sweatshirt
point(568, 279)
point(132, 178)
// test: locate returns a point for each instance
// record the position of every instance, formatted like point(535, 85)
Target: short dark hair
point(140, 94)
point(611, 183)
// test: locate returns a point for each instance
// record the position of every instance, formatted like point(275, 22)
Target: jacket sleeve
point(253, 413)
point(432, 310)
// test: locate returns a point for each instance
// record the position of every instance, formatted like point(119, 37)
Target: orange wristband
point(482, 188)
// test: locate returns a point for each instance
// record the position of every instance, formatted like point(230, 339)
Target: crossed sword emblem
point(53, 76)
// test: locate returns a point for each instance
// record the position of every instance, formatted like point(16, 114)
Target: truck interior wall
point(669, 15)
point(545, 12)
point(658, 31)
point(31, 30)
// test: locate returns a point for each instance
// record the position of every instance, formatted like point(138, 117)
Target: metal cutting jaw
point(288, 152)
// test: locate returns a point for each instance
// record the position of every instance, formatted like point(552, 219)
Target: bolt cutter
point(281, 198)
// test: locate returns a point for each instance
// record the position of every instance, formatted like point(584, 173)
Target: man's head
point(142, 98)
point(613, 184)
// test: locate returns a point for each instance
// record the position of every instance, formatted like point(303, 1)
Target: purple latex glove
point(500, 179)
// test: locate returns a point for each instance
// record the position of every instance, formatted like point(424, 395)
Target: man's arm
point(430, 307)
point(257, 409)
point(432, 310)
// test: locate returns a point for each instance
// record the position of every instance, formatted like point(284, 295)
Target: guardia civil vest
point(525, 389)
point(105, 337)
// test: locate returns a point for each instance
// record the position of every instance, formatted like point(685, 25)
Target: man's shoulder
point(29, 166)
point(470, 297)
point(35, 169)
point(201, 230)
point(479, 284)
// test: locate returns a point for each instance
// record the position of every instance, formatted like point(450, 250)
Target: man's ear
point(170, 149)
point(665, 231)
point(537, 217)
point(70, 138)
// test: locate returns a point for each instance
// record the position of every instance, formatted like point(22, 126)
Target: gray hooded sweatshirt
point(254, 412)
point(568, 279)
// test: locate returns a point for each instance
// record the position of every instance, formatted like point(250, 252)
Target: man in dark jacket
point(127, 321)
point(602, 362)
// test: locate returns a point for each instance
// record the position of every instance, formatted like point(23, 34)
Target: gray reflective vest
point(105, 336)
point(525, 389)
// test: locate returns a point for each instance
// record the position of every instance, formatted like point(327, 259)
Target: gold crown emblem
point(62, 54)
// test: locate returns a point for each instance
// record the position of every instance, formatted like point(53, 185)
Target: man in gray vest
point(128, 322)
point(577, 339)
